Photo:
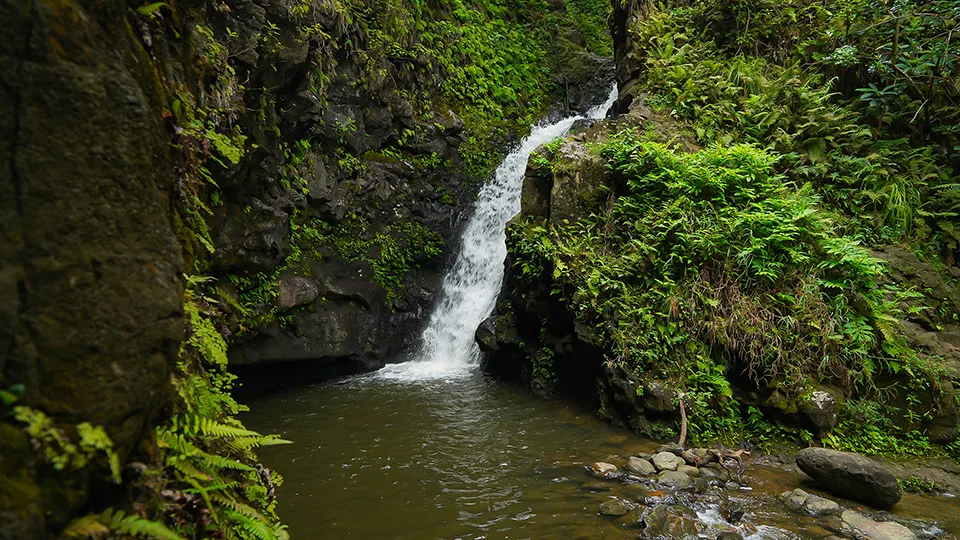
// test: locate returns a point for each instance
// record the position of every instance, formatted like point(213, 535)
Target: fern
point(197, 425)
point(248, 443)
point(95, 525)
point(256, 528)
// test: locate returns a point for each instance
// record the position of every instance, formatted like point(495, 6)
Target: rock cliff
point(301, 166)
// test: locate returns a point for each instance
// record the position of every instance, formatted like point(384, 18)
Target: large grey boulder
point(851, 475)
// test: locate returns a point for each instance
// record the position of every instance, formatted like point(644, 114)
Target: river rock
point(800, 501)
point(615, 507)
point(673, 521)
point(851, 475)
point(688, 470)
point(732, 511)
point(865, 528)
point(671, 447)
point(710, 472)
point(665, 461)
point(729, 535)
point(640, 466)
point(602, 470)
point(674, 480)
point(596, 487)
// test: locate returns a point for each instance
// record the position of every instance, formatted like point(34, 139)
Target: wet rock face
point(90, 268)
point(851, 475)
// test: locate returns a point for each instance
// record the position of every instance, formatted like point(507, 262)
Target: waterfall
point(470, 287)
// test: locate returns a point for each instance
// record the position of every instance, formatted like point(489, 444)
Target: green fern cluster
point(891, 184)
point(206, 450)
point(714, 260)
point(114, 521)
point(217, 462)
point(208, 481)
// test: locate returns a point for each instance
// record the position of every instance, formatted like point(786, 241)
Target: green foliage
point(866, 427)
point(714, 255)
point(151, 10)
point(492, 61)
point(97, 525)
point(205, 450)
point(544, 376)
point(915, 484)
point(57, 450)
point(876, 155)
point(392, 253)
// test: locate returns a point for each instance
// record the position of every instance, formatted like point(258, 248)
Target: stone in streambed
point(603, 471)
point(851, 475)
point(867, 529)
point(640, 466)
point(800, 501)
point(673, 521)
point(632, 520)
point(711, 472)
point(673, 448)
point(596, 487)
point(689, 471)
point(615, 507)
point(732, 511)
point(665, 461)
point(674, 480)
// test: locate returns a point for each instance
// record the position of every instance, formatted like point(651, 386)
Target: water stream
point(470, 287)
point(430, 448)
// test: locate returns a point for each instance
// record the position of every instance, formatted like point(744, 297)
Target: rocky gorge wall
point(291, 173)
point(544, 334)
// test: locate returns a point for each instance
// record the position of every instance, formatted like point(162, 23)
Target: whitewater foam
point(470, 287)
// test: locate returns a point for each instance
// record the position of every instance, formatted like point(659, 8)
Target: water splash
point(470, 287)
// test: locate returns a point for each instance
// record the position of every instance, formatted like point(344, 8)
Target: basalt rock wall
point(308, 179)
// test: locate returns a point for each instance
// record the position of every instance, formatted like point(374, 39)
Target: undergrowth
point(748, 262)
point(716, 261)
point(891, 179)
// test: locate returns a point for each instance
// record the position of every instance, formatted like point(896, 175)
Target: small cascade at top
point(470, 287)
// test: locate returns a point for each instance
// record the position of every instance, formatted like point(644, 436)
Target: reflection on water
point(470, 458)
point(447, 458)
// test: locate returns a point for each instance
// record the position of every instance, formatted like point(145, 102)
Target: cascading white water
point(470, 288)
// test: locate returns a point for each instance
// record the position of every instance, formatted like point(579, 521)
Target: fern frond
point(197, 425)
point(247, 443)
point(213, 461)
point(86, 527)
point(254, 527)
point(237, 506)
point(187, 469)
point(135, 525)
